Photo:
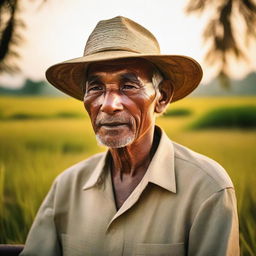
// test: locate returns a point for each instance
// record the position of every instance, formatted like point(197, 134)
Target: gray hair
point(157, 78)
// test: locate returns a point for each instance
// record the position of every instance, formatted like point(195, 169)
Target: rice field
point(40, 137)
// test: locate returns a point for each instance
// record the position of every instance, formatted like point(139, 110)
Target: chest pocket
point(160, 249)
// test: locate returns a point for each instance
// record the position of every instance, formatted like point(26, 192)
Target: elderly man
point(146, 195)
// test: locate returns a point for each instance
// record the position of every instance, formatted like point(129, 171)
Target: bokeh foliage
point(229, 30)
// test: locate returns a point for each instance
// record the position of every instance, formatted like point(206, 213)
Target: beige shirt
point(184, 205)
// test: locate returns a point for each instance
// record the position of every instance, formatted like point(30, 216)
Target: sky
point(58, 29)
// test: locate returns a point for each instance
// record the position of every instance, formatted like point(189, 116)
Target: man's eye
point(129, 87)
point(95, 88)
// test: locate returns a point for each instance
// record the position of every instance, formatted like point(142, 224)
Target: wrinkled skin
point(122, 104)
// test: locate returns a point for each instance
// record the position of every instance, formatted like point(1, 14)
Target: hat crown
point(121, 34)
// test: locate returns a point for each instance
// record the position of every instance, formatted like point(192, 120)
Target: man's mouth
point(113, 124)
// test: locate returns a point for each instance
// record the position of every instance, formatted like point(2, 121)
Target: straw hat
point(119, 38)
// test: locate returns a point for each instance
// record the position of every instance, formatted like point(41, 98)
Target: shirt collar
point(160, 171)
point(97, 175)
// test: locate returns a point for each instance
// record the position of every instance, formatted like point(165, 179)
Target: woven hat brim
point(184, 72)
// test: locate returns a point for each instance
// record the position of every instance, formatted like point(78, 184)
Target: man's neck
point(130, 160)
point(129, 164)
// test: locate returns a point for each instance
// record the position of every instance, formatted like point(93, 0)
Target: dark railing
point(10, 249)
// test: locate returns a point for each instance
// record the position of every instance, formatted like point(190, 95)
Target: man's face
point(120, 100)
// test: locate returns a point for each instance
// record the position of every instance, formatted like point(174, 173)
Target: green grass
point(29, 116)
point(228, 117)
point(178, 112)
point(34, 151)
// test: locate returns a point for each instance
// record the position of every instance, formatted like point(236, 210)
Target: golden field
point(40, 137)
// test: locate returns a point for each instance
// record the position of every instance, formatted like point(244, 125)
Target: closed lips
point(113, 124)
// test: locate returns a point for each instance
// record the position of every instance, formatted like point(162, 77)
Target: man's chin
point(115, 141)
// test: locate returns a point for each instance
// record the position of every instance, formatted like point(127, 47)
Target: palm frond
point(220, 31)
point(196, 6)
point(9, 38)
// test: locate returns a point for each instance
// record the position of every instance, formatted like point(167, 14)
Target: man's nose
point(112, 103)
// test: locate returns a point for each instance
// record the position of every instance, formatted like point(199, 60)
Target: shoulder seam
point(211, 179)
point(208, 197)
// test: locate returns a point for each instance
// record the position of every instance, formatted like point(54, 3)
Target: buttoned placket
point(115, 230)
point(114, 233)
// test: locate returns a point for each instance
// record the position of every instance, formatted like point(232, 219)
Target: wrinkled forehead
point(140, 67)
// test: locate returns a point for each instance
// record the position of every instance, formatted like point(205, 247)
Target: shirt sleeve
point(42, 238)
point(215, 227)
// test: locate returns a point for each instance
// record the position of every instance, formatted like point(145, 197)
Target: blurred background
point(42, 131)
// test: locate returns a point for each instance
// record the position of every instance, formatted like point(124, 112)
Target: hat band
point(109, 49)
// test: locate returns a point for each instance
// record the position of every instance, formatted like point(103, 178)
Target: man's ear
point(166, 92)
